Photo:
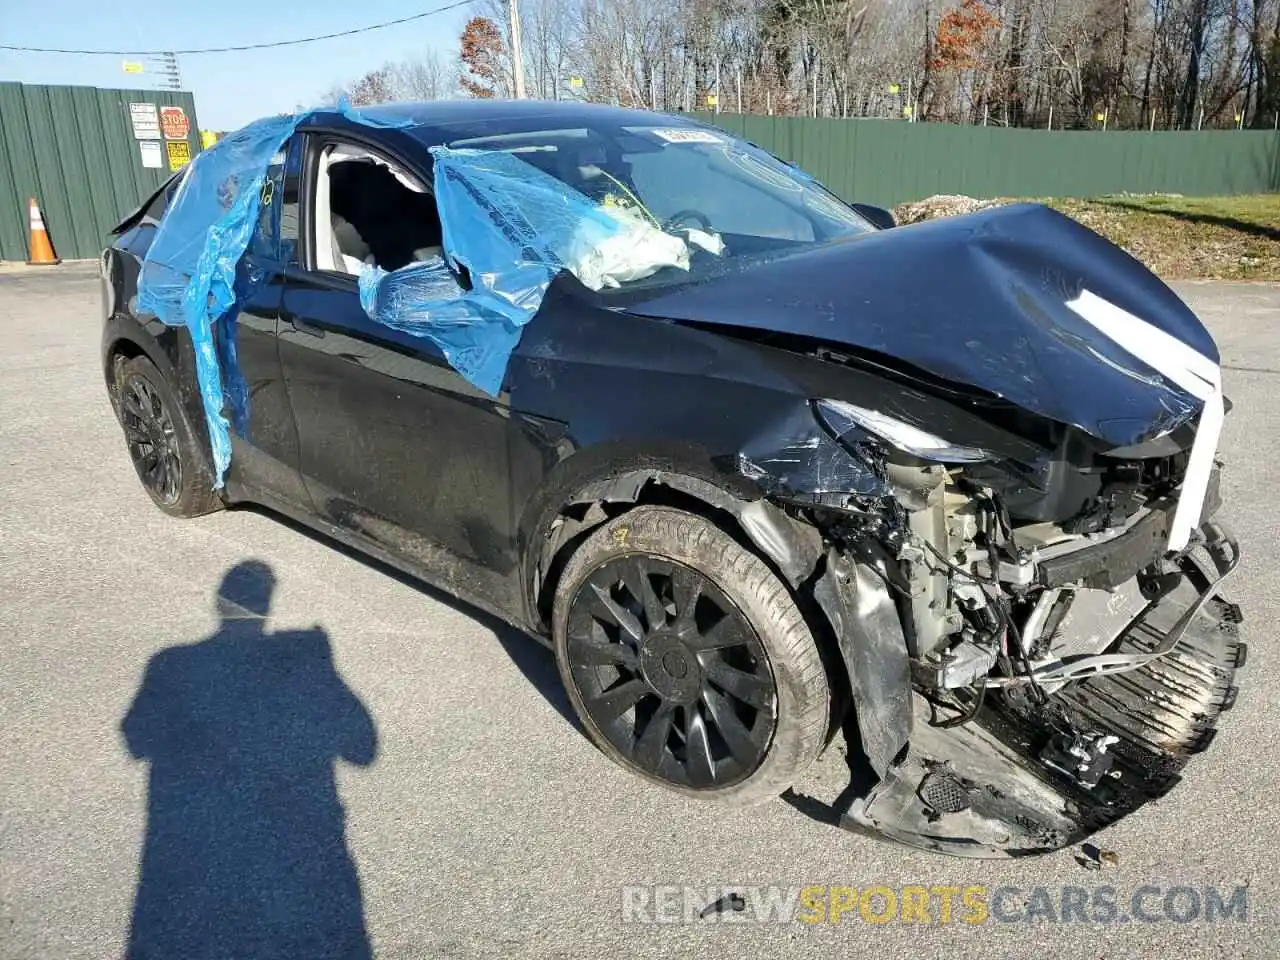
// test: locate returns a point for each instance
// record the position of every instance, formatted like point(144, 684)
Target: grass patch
point(1221, 238)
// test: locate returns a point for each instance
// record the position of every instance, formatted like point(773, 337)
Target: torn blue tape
point(508, 227)
point(424, 300)
point(188, 276)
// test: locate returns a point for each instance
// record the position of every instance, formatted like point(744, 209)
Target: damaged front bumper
point(1025, 777)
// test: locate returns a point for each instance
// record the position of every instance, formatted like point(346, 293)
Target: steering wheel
point(678, 219)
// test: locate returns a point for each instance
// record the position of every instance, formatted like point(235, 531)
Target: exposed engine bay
point(1025, 666)
point(984, 590)
point(1065, 661)
point(1011, 477)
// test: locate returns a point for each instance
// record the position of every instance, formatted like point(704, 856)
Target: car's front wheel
point(687, 659)
point(162, 444)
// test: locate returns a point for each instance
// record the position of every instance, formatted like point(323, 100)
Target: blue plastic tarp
point(188, 276)
point(510, 228)
point(507, 227)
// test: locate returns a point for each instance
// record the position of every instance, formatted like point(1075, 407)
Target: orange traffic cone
point(41, 248)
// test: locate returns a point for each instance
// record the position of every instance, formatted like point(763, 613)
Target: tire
point(731, 581)
point(171, 464)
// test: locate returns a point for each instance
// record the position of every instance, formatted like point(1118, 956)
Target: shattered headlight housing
point(840, 417)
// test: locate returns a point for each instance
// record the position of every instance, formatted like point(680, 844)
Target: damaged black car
point(758, 465)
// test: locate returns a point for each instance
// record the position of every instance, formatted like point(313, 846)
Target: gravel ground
point(485, 824)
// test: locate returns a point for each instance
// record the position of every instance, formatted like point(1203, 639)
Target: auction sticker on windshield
point(685, 135)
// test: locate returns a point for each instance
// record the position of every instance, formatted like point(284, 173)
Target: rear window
point(153, 208)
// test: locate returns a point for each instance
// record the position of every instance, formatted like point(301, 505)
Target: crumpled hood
point(984, 300)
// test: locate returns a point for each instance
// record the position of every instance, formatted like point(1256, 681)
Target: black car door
point(395, 447)
point(264, 442)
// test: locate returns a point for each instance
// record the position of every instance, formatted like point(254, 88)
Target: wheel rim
point(153, 444)
point(670, 672)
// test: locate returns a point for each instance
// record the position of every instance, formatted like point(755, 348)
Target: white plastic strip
point(685, 135)
point(1189, 369)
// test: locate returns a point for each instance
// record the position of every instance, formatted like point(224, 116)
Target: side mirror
point(879, 216)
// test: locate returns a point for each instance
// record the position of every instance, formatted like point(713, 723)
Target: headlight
point(840, 417)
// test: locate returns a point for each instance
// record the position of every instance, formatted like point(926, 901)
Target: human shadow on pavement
point(245, 853)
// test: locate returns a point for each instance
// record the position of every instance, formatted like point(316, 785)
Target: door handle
point(301, 326)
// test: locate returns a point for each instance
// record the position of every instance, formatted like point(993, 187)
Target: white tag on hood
point(1190, 370)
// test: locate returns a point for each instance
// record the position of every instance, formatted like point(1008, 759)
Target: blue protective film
point(507, 227)
point(510, 228)
point(424, 300)
point(189, 274)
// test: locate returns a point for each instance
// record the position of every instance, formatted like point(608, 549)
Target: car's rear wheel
point(170, 464)
point(687, 659)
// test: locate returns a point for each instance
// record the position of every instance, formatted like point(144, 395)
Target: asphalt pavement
point(466, 815)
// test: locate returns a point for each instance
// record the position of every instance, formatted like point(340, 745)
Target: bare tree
point(427, 77)
point(424, 78)
point(1085, 63)
point(373, 87)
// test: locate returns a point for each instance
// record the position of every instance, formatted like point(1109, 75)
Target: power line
point(247, 46)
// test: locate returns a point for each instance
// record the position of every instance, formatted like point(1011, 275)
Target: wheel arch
point(789, 547)
point(792, 549)
point(169, 350)
point(113, 355)
point(125, 337)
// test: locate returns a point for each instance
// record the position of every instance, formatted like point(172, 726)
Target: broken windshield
point(726, 200)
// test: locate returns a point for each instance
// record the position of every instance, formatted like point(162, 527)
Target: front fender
point(860, 614)
point(792, 547)
point(873, 648)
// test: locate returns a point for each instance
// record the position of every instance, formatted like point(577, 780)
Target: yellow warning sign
point(179, 154)
point(712, 99)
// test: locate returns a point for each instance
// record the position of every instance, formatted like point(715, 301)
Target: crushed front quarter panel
point(1007, 796)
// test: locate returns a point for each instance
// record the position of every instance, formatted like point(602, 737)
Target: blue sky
point(230, 88)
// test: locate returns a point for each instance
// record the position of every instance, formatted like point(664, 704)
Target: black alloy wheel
point(687, 659)
point(669, 670)
point(172, 465)
point(152, 439)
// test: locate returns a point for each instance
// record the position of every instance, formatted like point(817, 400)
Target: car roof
point(437, 120)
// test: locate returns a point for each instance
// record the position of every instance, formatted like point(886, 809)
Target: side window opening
point(289, 205)
point(265, 241)
point(369, 211)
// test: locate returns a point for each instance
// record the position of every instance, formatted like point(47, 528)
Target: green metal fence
point(888, 162)
point(74, 149)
